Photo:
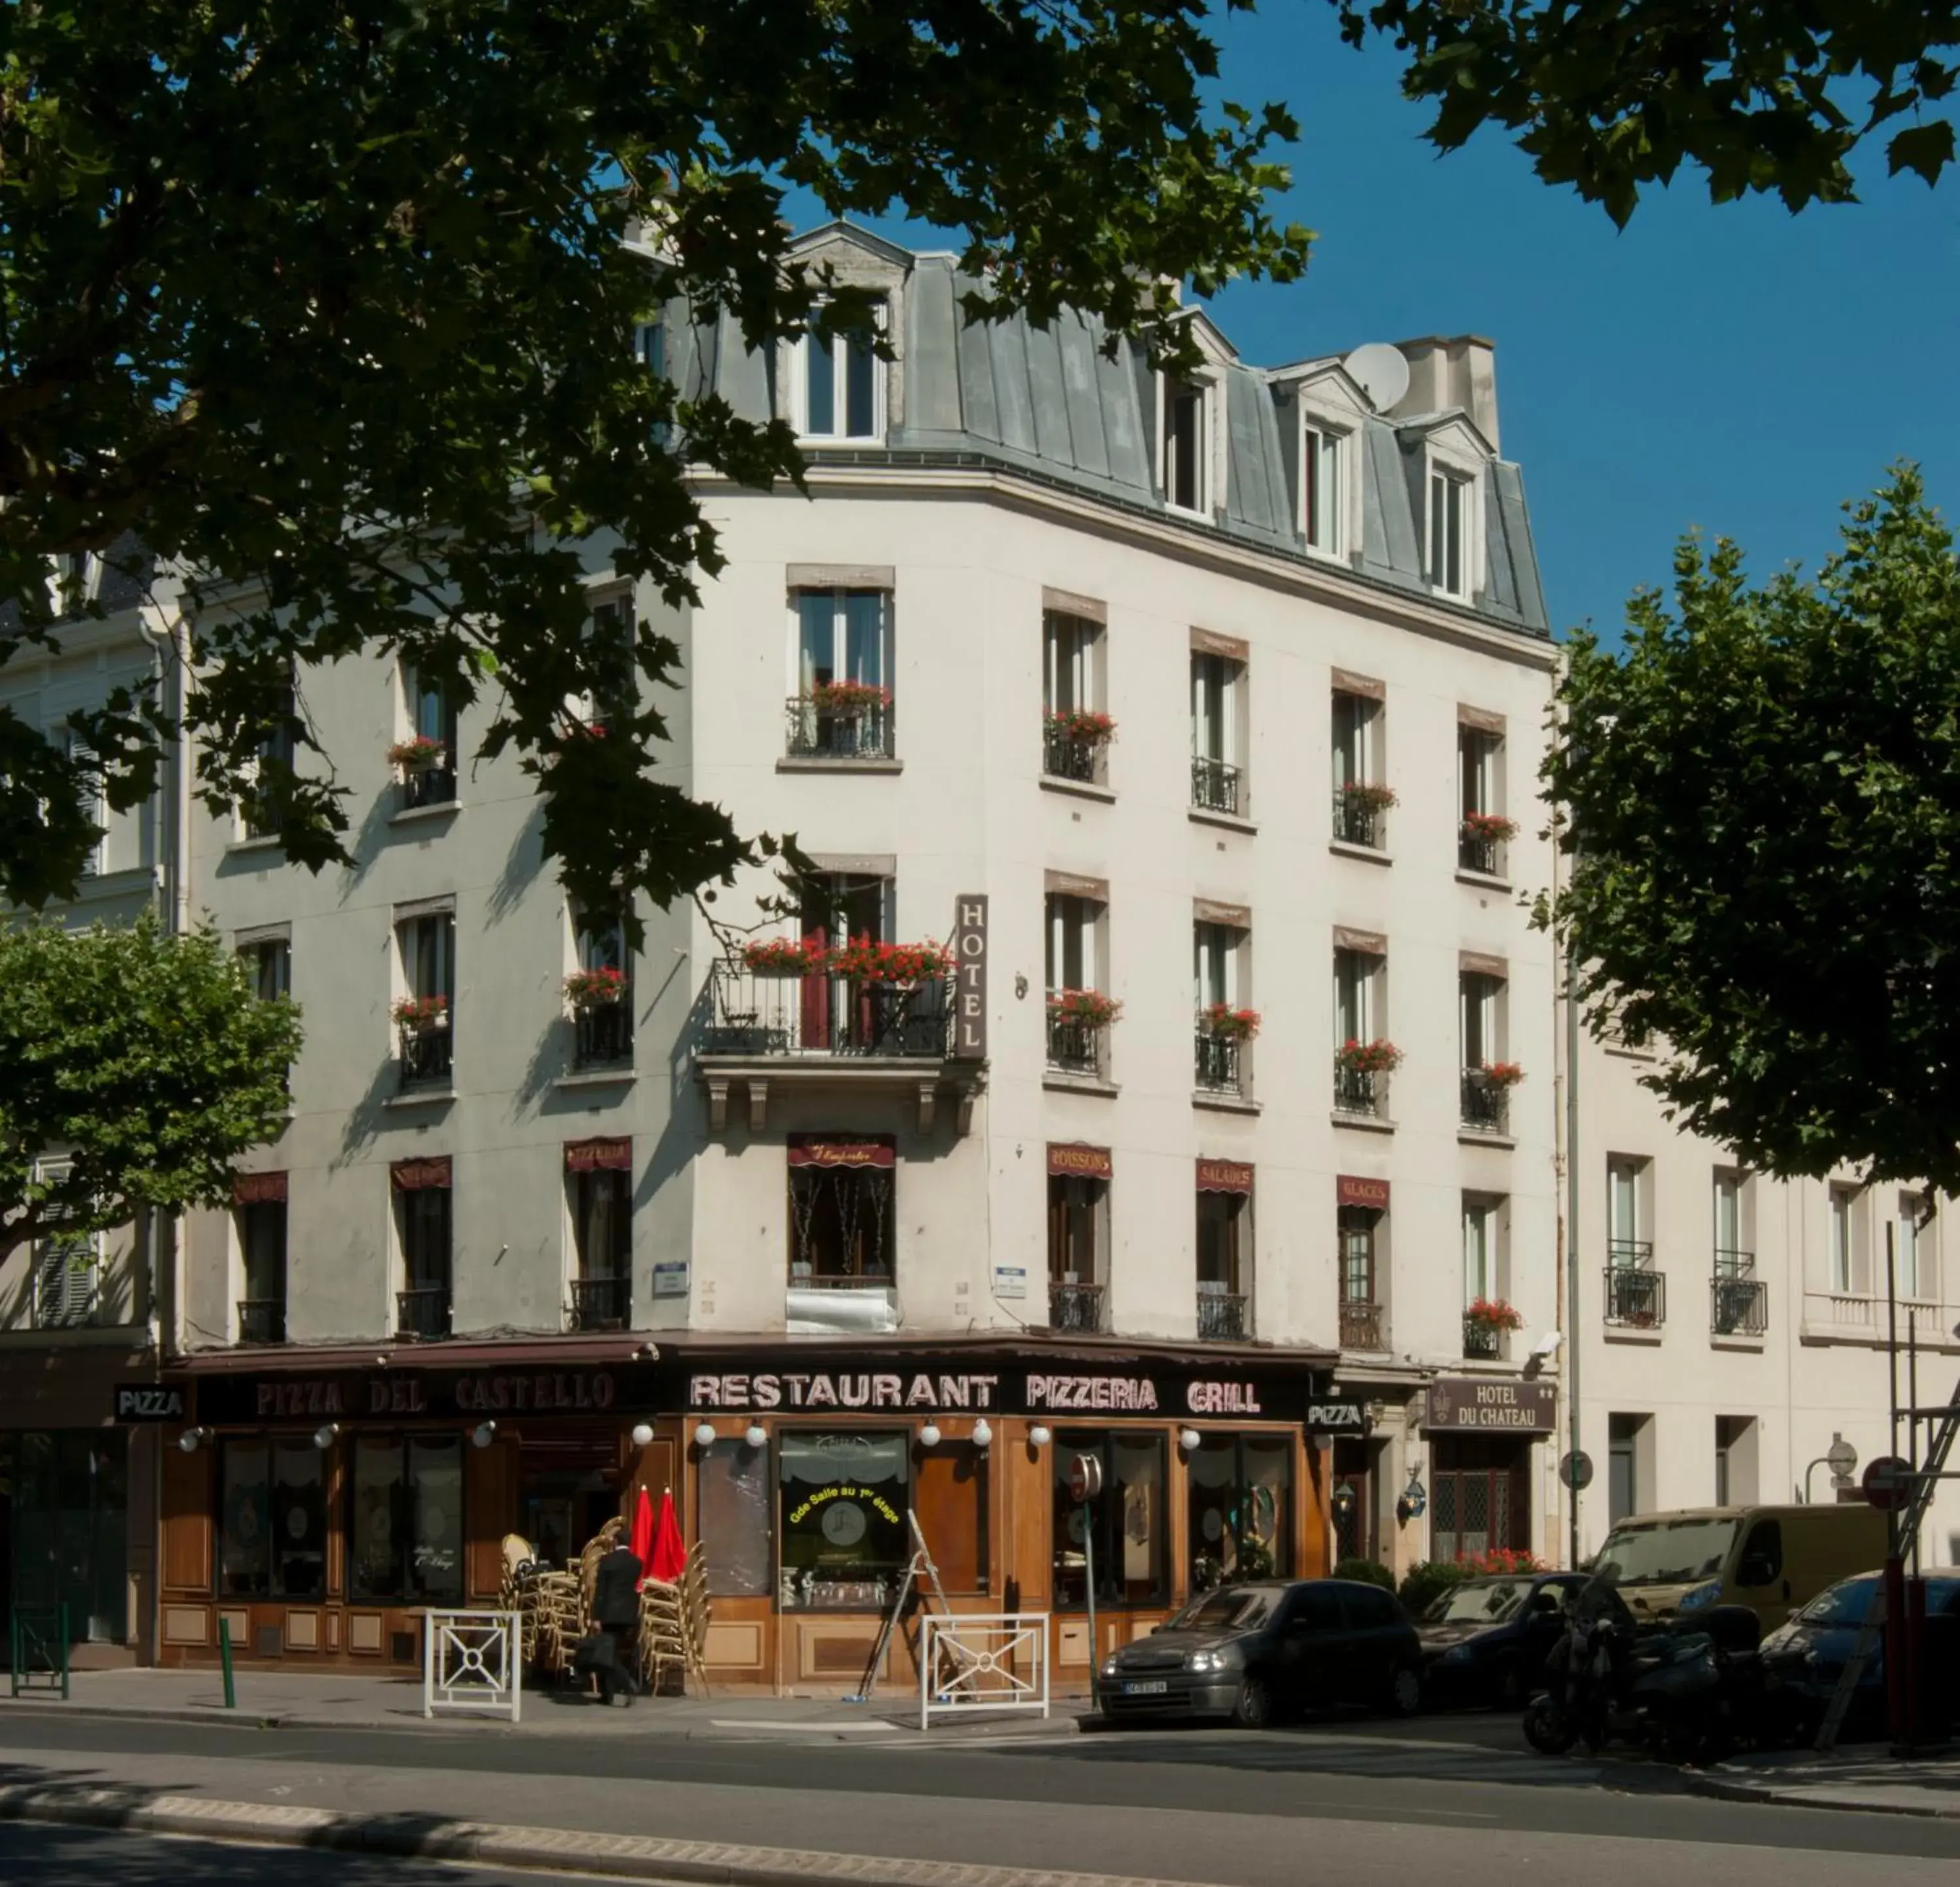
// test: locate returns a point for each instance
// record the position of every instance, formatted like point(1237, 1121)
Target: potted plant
point(595, 988)
point(1380, 1057)
point(1083, 1008)
point(1500, 1074)
point(863, 962)
point(1370, 794)
point(1489, 828)
point(416, 1015)
point(849, 698)
point(1224, 1024)
point(1083, 725)
point(420, 753)
point(1493, 1314)
point(783, 956)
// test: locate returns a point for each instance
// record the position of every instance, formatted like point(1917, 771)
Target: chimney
point(1461, 370)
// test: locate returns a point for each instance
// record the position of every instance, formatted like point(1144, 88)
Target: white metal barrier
point(473, 1661)
point(982, 1661)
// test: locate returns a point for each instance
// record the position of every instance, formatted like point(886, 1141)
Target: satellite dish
point(1382, 372)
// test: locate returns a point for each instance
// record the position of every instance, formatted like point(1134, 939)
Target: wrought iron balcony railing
point(837, 734)
point(1485, 1104)
point(427, 1057)
point(1075, 1048)
point(262, 1320)
point(1482, 1342)
point(1357, 822)
point(823, 1014)
point(428, 786)
point(1076, 1306)
point(1739, 1306)
point(422, 1313)
point(1474, 853)
point(1072, 757)
point(604, 1034)
point(1363, 1325)
point(1214, 785)
point(1221, 1316)
point(1221, 1063)
point(601, 1303)
point(1636, 1293)
point(1359, 1090)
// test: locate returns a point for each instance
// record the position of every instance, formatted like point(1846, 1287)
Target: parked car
point(1485, 1641)
point(1265, 1648)
point(1806, 1656)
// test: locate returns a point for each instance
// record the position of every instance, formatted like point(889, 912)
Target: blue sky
point(1735, 368)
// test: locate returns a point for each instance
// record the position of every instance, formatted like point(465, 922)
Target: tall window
point(428, 954)
point(272, 1532)
point(1357, 1229)
point(1361, 800)
point(1073, 959)
point(408, 1533)
point(602, 1016)
point(1075, 729)
point(602, 1224)
point(264, 804)
point(844, 1541)
point(653, 350)
point(1215, 949)
point(1078, 1235)
point(1843, 1203)
point(1480, 833)
point(422, 1224)
point(1217, 684)
point(1323, 455)
point(261, 1246)
point(1480, 1248)
point(1449, 533)
point(432, 713)
point(840, 707)
point(427, 945)
point(1186, 445)
point(67, 1276)
point(1354, 1005)
point(1224, 1266)
point(1239, 1518)
point(1732, 1255)
point(1627, 1241)
point(1914, 1210)
point(270, 961)
point(840, 383)
point(1125, 1530)
point(841, 1211)
point(1479, 997)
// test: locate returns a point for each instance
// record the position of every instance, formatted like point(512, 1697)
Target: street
point(1384, 1799)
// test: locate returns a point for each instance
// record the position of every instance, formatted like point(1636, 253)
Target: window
point(422, 1224)
point(1735, 1460)
point(1218, 951)
point(270, 963)
point(1354, 1018)
point(428, 1020)
point(1218, 691)
point(1480, 1496)
point(841, 1218)
point(68, 1276)
point(1844, 1201)
point(602, 1221)
point(1323, 472)
point(1482, 831)
point(1357, 1225)
point(1478, 998)
point(612, 633)
point(737, 1543)
point(1075, 730)
point(272, 1534)
point(841, 701)
point(1125, 1531)
point(94, 807)
point(407, 1535)
point(1628, 1440)
point(1361, 801)
point(1480, 1249)
point(838, 1015)
point(1187, 440)
point(838, 381)
point(70, 1516)
point(602, 1014)
point(1626, 1243)
point(1238, 1513)
point(1215, 949)
point(1449, 533)
point(429, 779)
point(265, 801)
point(845, 1544)
point(1078, 1232)
point(1224, 1266)
point(653, 352)
point(1915, 1210)
point(262, 1246)
point(1076, 1044)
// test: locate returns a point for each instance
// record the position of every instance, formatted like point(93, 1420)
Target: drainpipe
point(1574, 1338)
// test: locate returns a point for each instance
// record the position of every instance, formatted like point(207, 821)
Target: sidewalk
point(353, 1700)
point(1864, 1779)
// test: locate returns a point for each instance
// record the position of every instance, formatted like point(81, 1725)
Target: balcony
point(601, 1303)
point(422, 1314)
point(1485, 1106)
point(262, 1320)
point(1221, 1063)
point(428, 786)
point(1483, 1342)
point(427, 1057)
point(861, 731)
point(1361, 1091)
point(603, 1035)
point(1072, 1306)
point(1636, 1292)
point(1068, 755)
point(1216, 787)
point(1359, 821)
point(1076, 1047)
point(1739, 1304)
point(1221, 1315)
point(1363, 1325)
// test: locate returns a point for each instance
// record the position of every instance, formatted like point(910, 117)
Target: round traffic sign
point(1085, 1477)
point(1576, 1470)
point(1887, 1482)
point(1841, 1457)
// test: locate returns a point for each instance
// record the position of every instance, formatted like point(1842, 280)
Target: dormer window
point(1450, 500)
point(1187, 442)
point(838, 389)
point(1323, 489)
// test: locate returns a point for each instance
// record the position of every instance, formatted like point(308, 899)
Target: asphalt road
point(1375, 1802)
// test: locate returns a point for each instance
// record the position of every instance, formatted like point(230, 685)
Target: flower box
point(1227, 1024)
point(421, 753)
point(863, 962)
point(1492, 1313)
point(1489, 828)
point(415, 1013)
point(1368, 1058)
point(849, 698)
point(1376, 798)
point(1080, 724)
point(1503, 1074)
point(1083, 1008)
point(783, 956)
point(595, 988)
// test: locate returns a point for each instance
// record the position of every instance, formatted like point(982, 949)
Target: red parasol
point(670, 1556)
point(642, 1541)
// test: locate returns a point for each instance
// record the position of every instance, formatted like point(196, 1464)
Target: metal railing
point(1075, 1307)
point(1478, 854)
point(1362, 1326)
point(1485, 1105)
point(1738, 1306)
point(982, 1661)
point(837, 734)
point(806, 1277)
point(601, 1303)
point(1635, 1295)
point(1355, 822)
point(423, 1312)
point(427, 1057)
point(1075, 1048)
point(1221, 1316)
point(1221, 1063)
point(752, 1014)
point(603, 1034)
point(1482, 1342)
point(1214, 785)
point(262, 1320)
point(1070, 756)
point(428, 786)
point(473, 1661)
point(1359, 1090)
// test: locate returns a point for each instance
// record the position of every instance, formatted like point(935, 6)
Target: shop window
point(845, 1544)
point(1481, 1496)
point(407, 1535)
point(840, 1214)
point(1125, 1526)
point(951, 1502)
point(734, 1532)
point(1239, 1509)
point(70, 1520)
point(272, 1523)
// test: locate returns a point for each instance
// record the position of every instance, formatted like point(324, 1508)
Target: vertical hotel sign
point(970, 977)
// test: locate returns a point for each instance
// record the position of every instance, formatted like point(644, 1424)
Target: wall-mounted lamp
point(483, 1434)
point(983, 1435)
point(1187, 1439)
point(191, 1440)
point(322, 1436)
point(642, 1434)
point(929, 1436)
point(754, 1434)
point(704, 1435)
point(1040, 1436)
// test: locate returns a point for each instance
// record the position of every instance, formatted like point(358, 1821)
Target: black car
point(1265, 1648)
point(1485, 1640)
point(1805, 1658)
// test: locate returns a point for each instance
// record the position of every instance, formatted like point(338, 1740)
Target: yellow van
point(1771, 1559)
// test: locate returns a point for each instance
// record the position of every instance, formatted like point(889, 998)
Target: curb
point(632, 1857)
point(1722, 1788)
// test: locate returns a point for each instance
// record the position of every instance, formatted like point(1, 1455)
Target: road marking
point(858, 1726)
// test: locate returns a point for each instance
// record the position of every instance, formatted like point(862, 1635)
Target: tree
point(335, 306)
point(1759, 795)
point(1613, 96)
point(135, 1068)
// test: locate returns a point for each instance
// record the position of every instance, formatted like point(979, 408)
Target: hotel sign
point(1482, 1405)
point(970, 977)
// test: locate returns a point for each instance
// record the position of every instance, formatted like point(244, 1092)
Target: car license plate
point(1146, 1687)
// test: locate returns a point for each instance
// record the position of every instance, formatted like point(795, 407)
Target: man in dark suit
point(607, 1653)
